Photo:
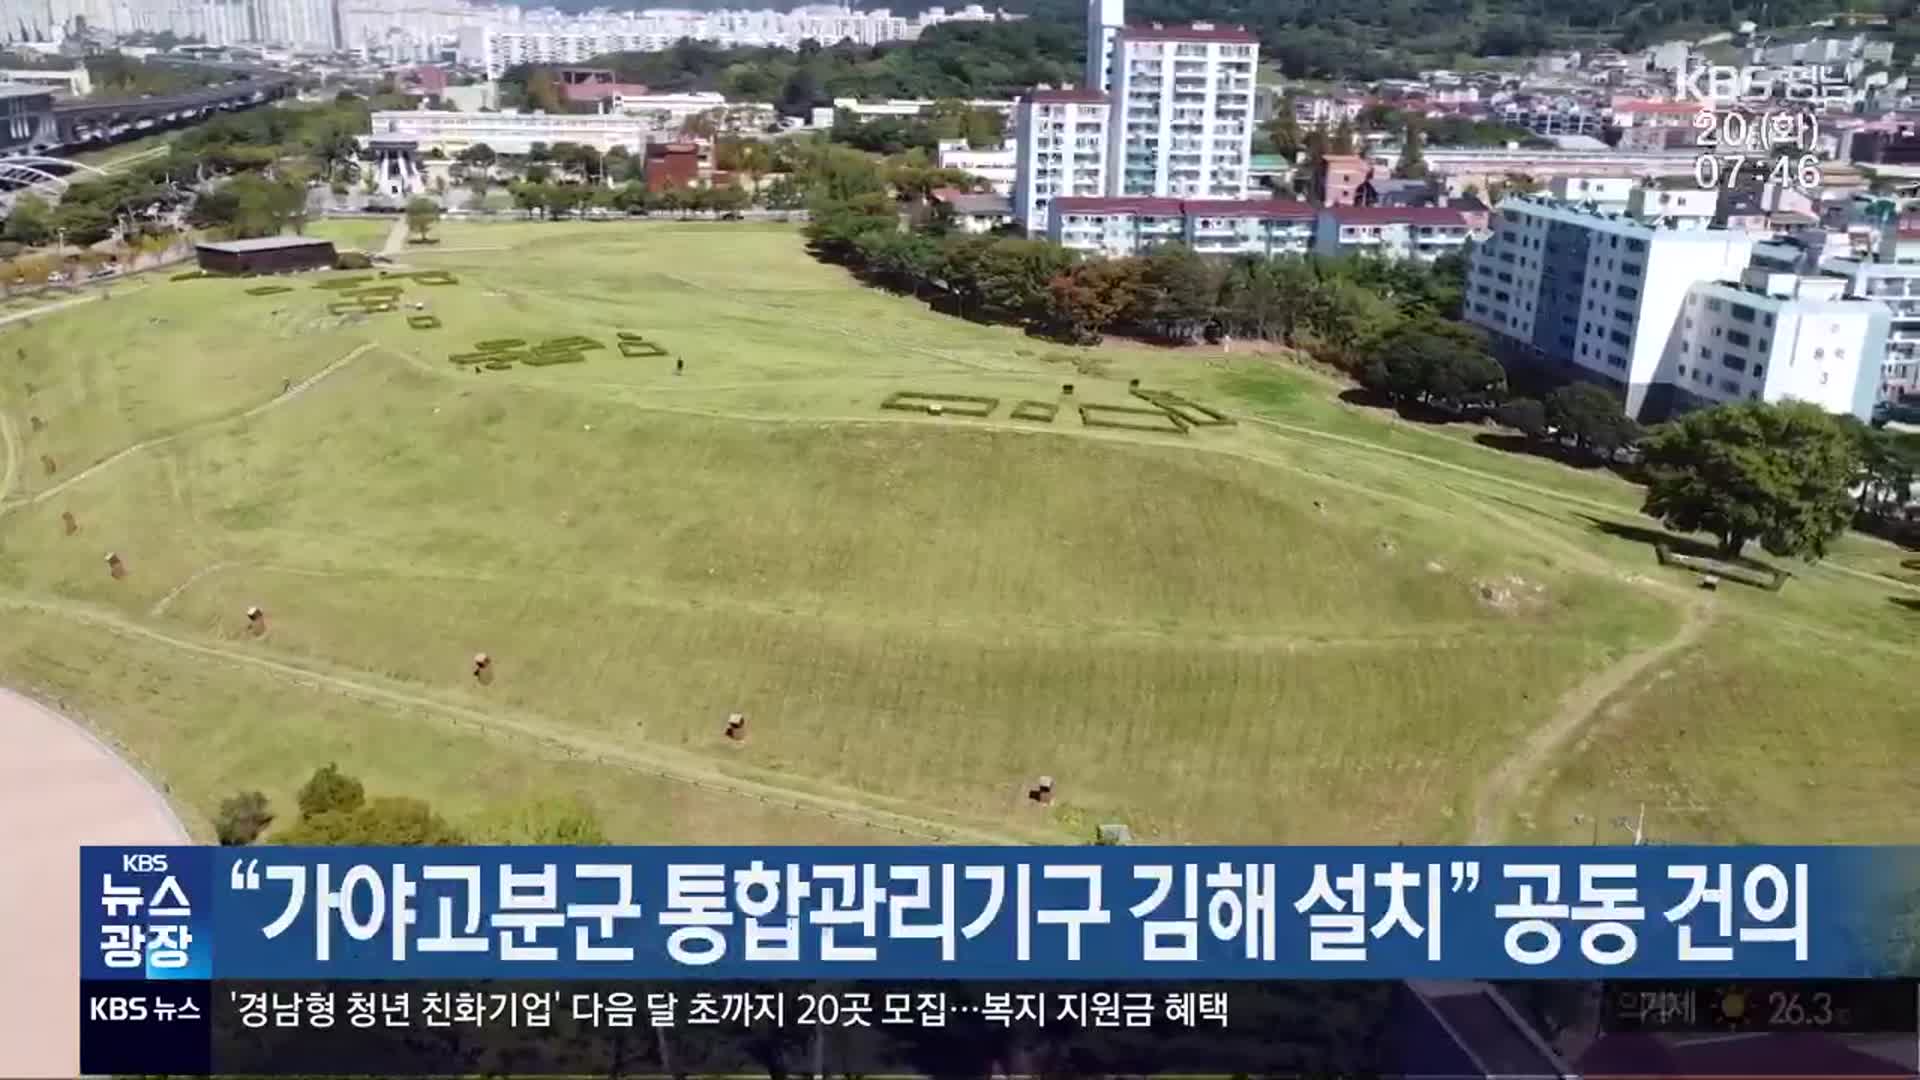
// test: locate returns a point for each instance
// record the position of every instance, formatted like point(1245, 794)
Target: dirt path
point(60, 788)
point(1509, 780)
point(663, 762)
point(10, 444)
point(275, 402)
point(396, 242)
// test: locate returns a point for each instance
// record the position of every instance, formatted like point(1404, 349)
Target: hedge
point(350, 282)
point(629, 335)
point(918, 401)
point(1192, 413)
point(345, 307)
point(575, 341)
point(499, 344)
point(268, 290)
point(189, 275)
point(548, 359)
point(1170, 423)
point(423, 322)
point(632, 348)
point(1043, 411)
point(434, 277)
point(497, 365)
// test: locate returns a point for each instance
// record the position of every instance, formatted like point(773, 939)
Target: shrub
point(1043, 411)
point(242, 818)
point(1132, 419)
point(950, 404)
point(1192, 413)
point(330, 789)
point(353, 260)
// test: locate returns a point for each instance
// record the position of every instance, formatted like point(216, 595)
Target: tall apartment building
point(301, 24)
point(1060, 150)
point(1182, 124)
point(1592, 295)
point(1105, 19)
point(1773, 336)
point(1897, 286)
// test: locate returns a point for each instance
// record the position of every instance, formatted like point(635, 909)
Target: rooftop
point(1289, 209)
point(1136, 204)
point(15, 90)
point(1397, 215)
point(264, 243)
point(1227, 35)
point(1066, 95)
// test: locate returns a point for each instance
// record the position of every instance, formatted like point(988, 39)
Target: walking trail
point(396, 239)
point(289, 394)
point(1493, 806)
point(60, 788)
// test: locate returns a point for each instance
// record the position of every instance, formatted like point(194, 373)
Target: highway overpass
point(81, 124)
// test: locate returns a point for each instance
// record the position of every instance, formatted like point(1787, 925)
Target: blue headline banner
point(1123, 913)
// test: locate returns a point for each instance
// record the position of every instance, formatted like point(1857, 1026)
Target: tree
point(1592, 417)
point(1889, 461)
point(1179, 294)
point(83, 223)
point(479, 154)
point(1343, 138)
point(422, 212)
point(1749, 471)
point(30, 222)
point(1434, 361)
point(385, 821)
point(330, 790)
point(1283, 131)
point(242, 818)
point(1090, 297)
point(564, 819)
point(1413, 158)
point(1528, 416)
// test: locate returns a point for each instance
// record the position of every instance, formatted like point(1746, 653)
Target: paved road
point(60, 788)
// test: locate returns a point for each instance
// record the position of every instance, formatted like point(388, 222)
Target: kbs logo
point(131, 1009)
point(1716, 85)
point(142, 863)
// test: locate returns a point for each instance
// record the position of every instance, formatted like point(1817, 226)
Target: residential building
point(1591, 295)
point(509, 132)
point(974, 213)
point(305, 25)
point(1773, 337)
point(1182, 100)
point(675, 165)
point(998, 166)
point(1060, 144)
point(1602, 192)
point(1896, 286)
point(1674, 207)
point(1105, 19)
point(1423, 233)
point(1486, 164)
point(1127, 225)
point(1341, 178)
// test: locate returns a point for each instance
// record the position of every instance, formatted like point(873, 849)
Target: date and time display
point(1841, 1007)
point(1775, 146)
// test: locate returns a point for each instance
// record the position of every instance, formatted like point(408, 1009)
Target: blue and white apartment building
point(1603, 297)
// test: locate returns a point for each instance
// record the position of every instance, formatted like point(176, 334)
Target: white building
point(1182, 124)
point(509, 132)
point(75, 81)
point(1677, 208)
point(1774, 337)
point(1592, 295)
point(1422, 233)
point(1060, 148)
point(667, 112)
point(999, 166)
point(1603, 192)
point(1895, 286)
point(304, 25)
point(1105, 19)
point(1119, 226)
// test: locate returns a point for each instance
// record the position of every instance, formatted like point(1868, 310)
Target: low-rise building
point(1340, 178)
point(510, 132)
point(1423, 233)
point(972, 213)
point(1773, 337)
point(675, 165)
point(998, 166)
point(1127, 225)
point(265, 255)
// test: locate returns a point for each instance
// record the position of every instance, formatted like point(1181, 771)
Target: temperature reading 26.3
point(1787, 1009)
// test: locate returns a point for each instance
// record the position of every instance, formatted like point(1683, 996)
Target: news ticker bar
point(1390, 1028)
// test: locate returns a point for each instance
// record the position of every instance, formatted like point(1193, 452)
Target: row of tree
point(335, 810)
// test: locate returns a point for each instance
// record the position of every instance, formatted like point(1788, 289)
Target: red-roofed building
point(675, 165)
point(1128, 225)
point(1423, 233)
point(1637, 112)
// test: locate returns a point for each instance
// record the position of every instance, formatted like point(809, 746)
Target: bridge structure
point(87, 123)
point(33, 172)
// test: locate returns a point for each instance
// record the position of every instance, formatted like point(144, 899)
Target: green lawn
point(361, 234)
point(1315, 625)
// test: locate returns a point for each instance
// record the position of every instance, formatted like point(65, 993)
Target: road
point(60, 788)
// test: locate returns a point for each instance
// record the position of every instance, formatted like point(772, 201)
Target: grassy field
point(361, 234)
point(1316, 624)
